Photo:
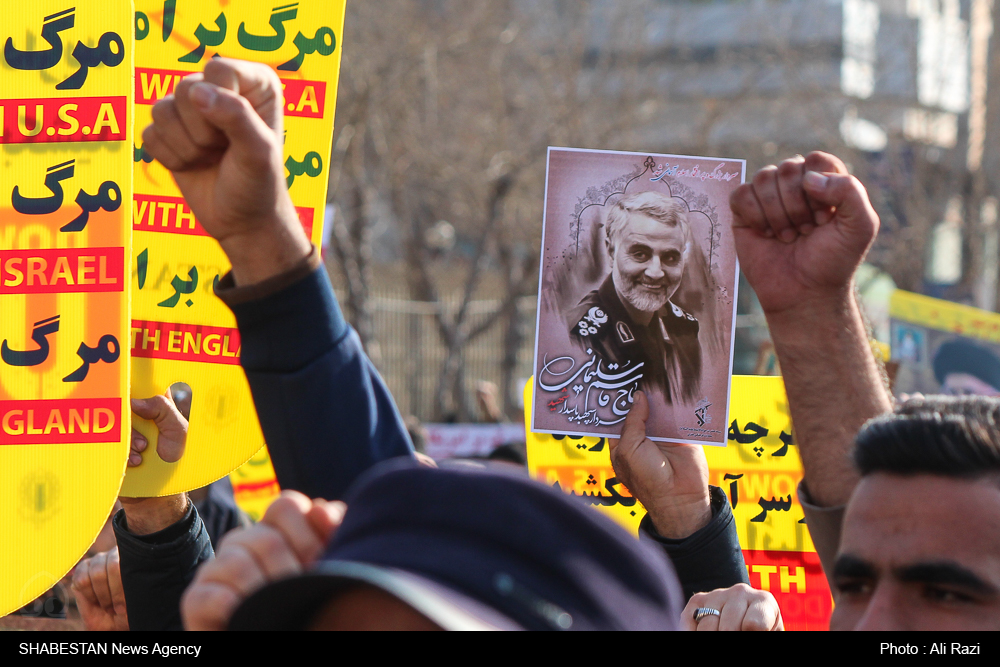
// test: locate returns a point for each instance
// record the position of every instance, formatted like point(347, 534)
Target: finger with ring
point(705, 612)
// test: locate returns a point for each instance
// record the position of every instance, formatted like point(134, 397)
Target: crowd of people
point(902, 501)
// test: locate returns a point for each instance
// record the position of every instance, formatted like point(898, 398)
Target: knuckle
point(150, 136)
point(820, 156)
point(232, 538)
point(290, 501)
point(81, 575)
point(742, 197)
point(234, 107)
point(201, 606)
point(99, 578)
point(790, 169)
point(743, 591)
point(162, 402)
point(234, 565)
point(822, 162)
point(165, 110)
point(269, 78)
point(270, 544)
point(218, 66)
point(183, 86)
point(765, 175)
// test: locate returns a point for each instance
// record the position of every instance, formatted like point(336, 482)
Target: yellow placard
point(945, 316)
point(255, 486)
point(180, 331)
point(760, 471)
point(761, 465)
point(65, 140)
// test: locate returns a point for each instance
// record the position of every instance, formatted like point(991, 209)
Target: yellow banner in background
point(180, 331)
point(255, 486)
point(65, 185)
point(945, 316)
point(760, 471)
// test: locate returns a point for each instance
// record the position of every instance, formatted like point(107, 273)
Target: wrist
point(820, 321)
point(680, 520)
point(146, 516)
point(824, 305)
point(267, 250)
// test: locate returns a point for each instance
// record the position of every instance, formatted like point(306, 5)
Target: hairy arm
point(802, 230)
point(834, 386)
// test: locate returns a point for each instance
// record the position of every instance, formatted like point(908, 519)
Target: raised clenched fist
point(802, 230)
point(221, 135)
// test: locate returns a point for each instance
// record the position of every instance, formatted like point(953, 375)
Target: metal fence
point(411, 353)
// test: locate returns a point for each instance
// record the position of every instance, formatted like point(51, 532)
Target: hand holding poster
point(65, 138)
point(638, 292)
point(759, 471)
point(181, 332)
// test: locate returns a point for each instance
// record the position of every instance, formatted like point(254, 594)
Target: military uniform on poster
point(667, 348)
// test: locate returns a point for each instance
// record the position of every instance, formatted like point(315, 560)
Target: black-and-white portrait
point(638, 290)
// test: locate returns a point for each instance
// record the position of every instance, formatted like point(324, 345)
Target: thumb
point(842, 192)
point(257, 83)
point(325, 517)
point(156, 408)
point(634, 430)
point(147, 408)
point(234, 116)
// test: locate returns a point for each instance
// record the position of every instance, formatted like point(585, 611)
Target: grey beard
point(637, 297)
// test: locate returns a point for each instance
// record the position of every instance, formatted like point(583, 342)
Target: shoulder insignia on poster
point(592, 322)
point(625, 334)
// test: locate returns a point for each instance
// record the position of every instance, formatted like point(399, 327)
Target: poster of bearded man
point(638, 292)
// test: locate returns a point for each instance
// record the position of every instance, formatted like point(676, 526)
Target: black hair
point(511, 452)
point(952, 437)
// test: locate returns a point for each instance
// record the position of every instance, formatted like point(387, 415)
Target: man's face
point(648, 262)
point(919, 553)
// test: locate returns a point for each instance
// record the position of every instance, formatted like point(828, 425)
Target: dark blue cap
point(961, 356)
point(492, 546)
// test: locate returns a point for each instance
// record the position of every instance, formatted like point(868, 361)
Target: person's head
point(649, 240)
point(966, 369)
point(920, 548)
point(467, 548)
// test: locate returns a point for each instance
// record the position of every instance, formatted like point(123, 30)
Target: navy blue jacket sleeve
point(711, 558)
point(326, 415)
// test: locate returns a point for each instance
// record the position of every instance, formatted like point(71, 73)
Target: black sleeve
point(219, 511)
point(711, 558)
point(157, 568)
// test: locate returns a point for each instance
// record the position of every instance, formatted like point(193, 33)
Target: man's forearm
point(834, 387)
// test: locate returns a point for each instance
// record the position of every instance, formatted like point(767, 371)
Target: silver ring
point(705, 612)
